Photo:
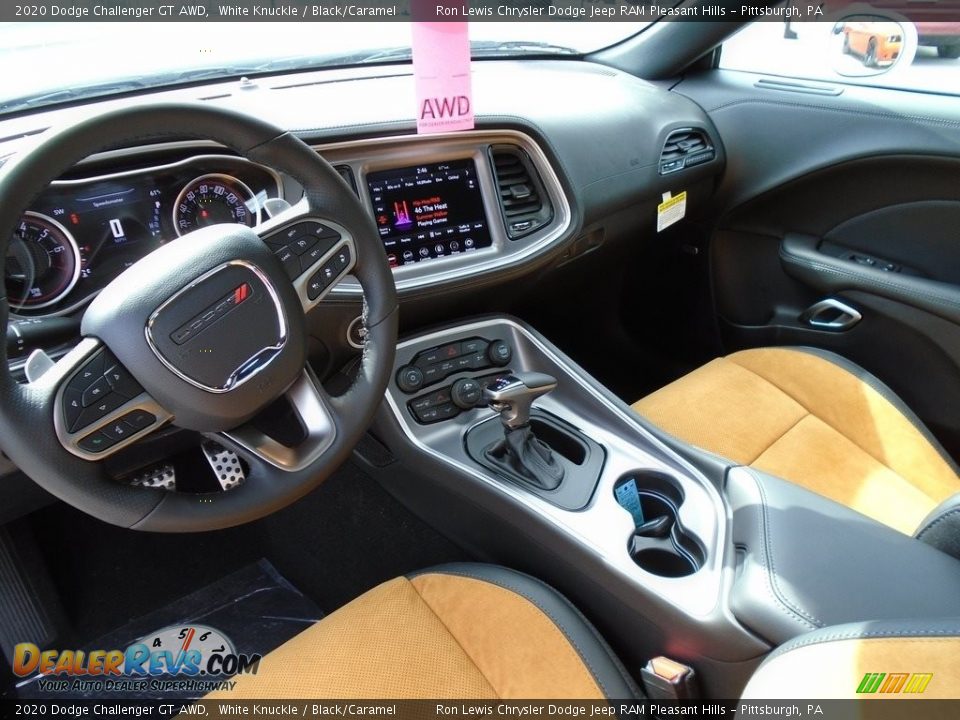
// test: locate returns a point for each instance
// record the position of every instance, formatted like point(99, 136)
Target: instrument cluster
point(81, 233)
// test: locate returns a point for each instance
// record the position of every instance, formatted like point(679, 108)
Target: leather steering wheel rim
point(26, 411)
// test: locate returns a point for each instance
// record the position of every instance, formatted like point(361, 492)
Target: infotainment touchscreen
point(429, 211)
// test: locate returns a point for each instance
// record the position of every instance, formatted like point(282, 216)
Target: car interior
point(644, 387)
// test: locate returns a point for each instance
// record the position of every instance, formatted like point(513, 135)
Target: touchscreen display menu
point(429, 211)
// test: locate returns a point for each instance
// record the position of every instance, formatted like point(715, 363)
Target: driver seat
point(470, 631)
point(459, 631)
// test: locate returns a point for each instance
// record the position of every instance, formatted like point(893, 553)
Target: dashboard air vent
point(523, 199)
point(685, 148)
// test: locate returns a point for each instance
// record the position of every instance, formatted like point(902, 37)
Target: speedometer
point(214, 199)
point(42, 262)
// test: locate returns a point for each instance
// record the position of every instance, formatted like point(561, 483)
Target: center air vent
point(685, 148)
point(523, 200)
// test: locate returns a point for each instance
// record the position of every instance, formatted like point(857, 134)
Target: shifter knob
point(512, 395)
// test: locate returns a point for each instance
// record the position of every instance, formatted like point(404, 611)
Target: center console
point(495, 436)
point(633, 532)
point(437, 397)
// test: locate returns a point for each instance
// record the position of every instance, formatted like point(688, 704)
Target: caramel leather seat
point(815, 419)
point(455, 632)
point(470, 631)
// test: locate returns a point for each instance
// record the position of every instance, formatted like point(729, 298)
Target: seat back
point(910, 658)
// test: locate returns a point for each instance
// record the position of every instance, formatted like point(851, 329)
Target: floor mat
point(334, 544)
point(251, 611)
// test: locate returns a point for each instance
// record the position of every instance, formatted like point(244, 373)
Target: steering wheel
point(204, 333)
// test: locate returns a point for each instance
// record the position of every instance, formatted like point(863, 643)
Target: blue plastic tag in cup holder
point(629, 499)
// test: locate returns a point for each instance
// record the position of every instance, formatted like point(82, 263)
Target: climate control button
point(410, 378)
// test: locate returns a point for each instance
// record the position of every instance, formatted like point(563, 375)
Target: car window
point(859, 51)
point(73, 60)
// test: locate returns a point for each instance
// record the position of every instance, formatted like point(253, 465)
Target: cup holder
point(659, 544)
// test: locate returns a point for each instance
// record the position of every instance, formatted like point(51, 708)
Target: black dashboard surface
point(603, 129)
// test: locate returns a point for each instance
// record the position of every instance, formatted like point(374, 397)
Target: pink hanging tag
point(441, 70)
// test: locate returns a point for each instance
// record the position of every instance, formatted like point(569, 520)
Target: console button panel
point(438, 363)
point(451, 400)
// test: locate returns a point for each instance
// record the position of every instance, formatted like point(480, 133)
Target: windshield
point(75, 60)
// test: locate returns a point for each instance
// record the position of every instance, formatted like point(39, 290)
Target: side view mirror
point(863, 45)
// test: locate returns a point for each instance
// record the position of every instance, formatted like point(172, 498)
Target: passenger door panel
point(853, 196)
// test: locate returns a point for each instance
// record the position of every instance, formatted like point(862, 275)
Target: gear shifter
point(521, 450)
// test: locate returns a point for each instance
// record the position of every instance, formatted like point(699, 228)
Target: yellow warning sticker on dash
point(671, 210)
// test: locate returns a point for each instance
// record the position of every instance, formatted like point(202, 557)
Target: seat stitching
point(828, 424)
point(782, 436)
point(557, 624)
point(782, 392)
point(898, 635)
point(887, 393)
point(936, 522)
point(767, 541)
point(454, 638)
point(891, 485)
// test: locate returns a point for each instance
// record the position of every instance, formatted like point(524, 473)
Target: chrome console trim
point(603, 527)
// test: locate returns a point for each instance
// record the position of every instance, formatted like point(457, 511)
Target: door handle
point(831, 314)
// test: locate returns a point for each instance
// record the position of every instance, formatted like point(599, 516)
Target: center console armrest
point(805, 562)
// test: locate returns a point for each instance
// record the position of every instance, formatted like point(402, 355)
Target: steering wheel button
point(290, 262)
point(342, 259)
point(315, 253)
point(72, 405)
point(96, 442)
point(88, 374)
point(325, 232)
point(139, 419)
point(95, 392)
point(98, 410)
point(122, 382)
point(316, 285)
point(118, 430)
point(303, 243)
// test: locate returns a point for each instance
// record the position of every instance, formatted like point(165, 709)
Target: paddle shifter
point(521, 450)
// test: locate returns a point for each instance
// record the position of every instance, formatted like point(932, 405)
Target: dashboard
point(444, 209)
point(538, 182)
point(83, 232)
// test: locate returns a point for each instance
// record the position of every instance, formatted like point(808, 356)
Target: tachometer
point(42, 262)
point(213, 199)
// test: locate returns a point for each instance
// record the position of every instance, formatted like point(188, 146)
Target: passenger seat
point(815, 419)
